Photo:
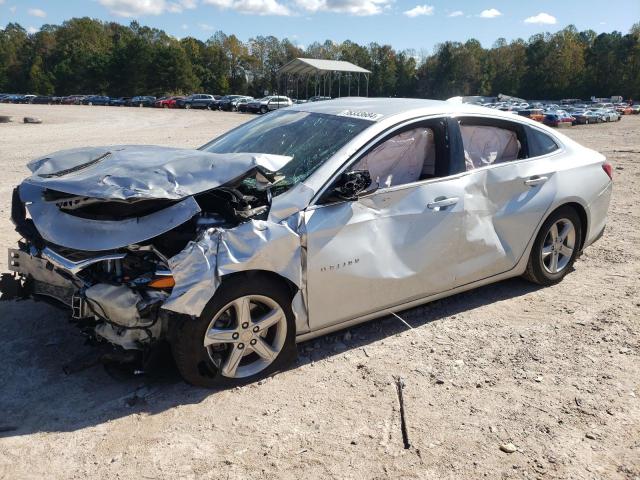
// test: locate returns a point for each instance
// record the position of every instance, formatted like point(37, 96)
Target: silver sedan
point(301, 222)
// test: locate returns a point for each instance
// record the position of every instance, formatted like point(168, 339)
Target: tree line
point(84, 56)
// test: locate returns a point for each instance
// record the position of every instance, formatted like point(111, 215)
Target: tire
point(586, 122)
point(205, 366)
point(263, 110)
point(541, 269)
point(187, 106)
point(90, 104)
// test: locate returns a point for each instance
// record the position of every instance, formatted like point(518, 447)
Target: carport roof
point(307, 66)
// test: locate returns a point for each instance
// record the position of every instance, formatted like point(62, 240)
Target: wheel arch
point(291, 287)
point(580, 210)
point(584, 220)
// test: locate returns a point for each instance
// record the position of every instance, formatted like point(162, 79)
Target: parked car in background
point(229, 103)
point(624, 109)
point(608, 115)
point(225, 99)
point(233, 265)
point(586, 117)
point(119, 102)
point(96, 100)
point(43, 100)
point(156, 104)
point(142, 101)
point(18, 98)
point(319, 98)
point(72, 100)
point(243, 103)
point(536, 114)
point(167, 102)
point(267, 104)
point(555, 119)
point(198, 100)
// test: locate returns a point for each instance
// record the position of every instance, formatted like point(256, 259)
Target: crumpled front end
point(128, 254)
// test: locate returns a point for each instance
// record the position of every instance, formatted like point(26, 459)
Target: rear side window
point(490, 141)
point(487, 145)
point(540, 143)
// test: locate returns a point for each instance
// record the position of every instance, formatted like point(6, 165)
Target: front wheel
point(246, 331)
point(263, 110)
point(555, 248)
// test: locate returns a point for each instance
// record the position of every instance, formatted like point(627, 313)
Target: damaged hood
point(133, 172)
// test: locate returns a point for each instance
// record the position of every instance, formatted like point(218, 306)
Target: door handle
point(441, 202)
point(535, 180)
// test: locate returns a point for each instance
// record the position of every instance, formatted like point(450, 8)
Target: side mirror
point(354, 184)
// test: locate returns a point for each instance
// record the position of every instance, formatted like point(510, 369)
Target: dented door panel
point(502, 211)
point(382, 250)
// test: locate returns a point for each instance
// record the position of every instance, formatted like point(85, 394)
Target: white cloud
point(13, 9)
point(205, 27)
point(352, 7)
point(457, 13)
point(252, 7)
point(1, 2)
point(136, 8)
point(36, 12)
point(261, 7)
point(490, 13)
point(32, 29)
point(542, 19)
point(184, 26)
point(419, 10)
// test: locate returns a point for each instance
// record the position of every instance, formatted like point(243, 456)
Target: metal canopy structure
point(323, 74)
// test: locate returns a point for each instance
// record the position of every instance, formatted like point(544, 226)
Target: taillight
point(608, 169)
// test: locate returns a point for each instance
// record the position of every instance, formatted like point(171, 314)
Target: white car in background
point(608, 115)
point(305, 221)
point(268, 104)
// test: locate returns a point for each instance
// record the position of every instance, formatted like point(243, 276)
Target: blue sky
point(402, 23)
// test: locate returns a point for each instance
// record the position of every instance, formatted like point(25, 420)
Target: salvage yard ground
point(555, 371)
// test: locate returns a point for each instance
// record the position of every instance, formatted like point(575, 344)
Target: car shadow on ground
point(51, 381)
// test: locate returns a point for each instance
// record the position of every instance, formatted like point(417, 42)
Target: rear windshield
point(310, 138)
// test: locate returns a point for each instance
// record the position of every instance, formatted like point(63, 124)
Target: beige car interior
point(405, 158)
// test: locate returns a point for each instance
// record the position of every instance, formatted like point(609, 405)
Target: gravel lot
point(553, 371)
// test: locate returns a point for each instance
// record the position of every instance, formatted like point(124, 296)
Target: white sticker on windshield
point(358, 114)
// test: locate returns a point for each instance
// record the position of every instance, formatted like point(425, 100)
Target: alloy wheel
point(246, 336)
point(558, 246)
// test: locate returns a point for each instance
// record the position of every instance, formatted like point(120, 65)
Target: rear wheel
point(555, 248)
point(246, 331)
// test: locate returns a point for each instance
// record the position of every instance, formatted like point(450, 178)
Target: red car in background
point(624, 109)
point(167, 102)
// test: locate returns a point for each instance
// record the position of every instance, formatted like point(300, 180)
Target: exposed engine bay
point(109, 245)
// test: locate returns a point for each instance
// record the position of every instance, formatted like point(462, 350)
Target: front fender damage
point(138, 245)
point(198, 270)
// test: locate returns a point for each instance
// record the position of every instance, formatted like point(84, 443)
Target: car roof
point(383, 108)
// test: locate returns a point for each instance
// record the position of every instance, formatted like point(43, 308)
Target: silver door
point(393, 246)
point(504, 204)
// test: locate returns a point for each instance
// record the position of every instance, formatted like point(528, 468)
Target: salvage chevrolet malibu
point(298, 223)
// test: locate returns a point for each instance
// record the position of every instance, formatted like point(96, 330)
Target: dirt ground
point(553, 371)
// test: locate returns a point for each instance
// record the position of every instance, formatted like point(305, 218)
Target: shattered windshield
point(309, 138)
